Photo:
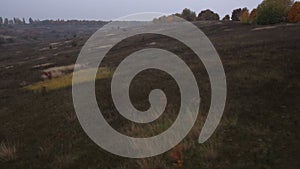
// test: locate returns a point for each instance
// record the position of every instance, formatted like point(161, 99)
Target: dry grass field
point(259, 128)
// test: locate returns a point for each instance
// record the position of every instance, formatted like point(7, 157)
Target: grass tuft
point(8, 152)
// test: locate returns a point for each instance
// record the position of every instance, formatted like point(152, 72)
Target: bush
point(226, 18)
point(208, 15)
point(167, 19)
point(294, 13)
point(273, 11)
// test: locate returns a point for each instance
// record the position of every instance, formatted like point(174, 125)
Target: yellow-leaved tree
point(294, 13)
point(245, 16)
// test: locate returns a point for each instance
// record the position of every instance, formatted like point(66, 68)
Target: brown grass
point(63, 161)
point(209, 152)
point(70, 116)
point(151, 163)
point(8, 152)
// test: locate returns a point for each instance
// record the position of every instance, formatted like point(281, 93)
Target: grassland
point(259, 129)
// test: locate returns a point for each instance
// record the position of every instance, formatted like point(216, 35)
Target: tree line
point(268, 12)
point(17, 21)
point(13, 21)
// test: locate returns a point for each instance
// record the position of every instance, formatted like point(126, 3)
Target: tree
point(253, 16)
point(294, 13)
point(188, 15)
point(226, 18)
point(208, 15)
point(31, 21)
point(245, 16)
point(23, 20)
point(236, 14)
point(273, 11)
point(5, 21)
point(10, 22)
point(17, 21)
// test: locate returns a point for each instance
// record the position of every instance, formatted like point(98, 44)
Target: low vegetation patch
point(7, 152)
point(66, 80)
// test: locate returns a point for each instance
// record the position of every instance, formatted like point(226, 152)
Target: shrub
point(294, 13)
point(167, 19)
point(273, 11)
point(74, 43)
point(226, 18)
point(208, 15)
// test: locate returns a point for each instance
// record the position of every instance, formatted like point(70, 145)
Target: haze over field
point(111, 9)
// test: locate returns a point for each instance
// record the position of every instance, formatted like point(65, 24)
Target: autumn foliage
point(294, 13)
point(253, 15)
point(245, 16)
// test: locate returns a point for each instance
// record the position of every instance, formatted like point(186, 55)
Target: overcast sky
point(111, 9)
